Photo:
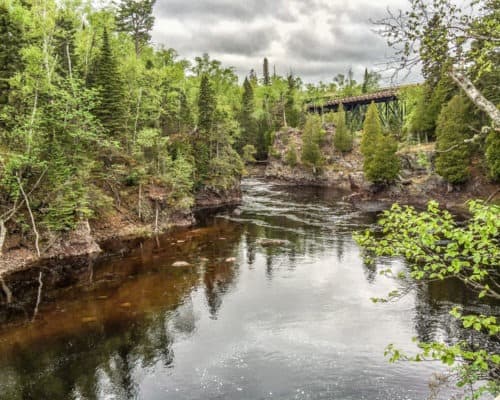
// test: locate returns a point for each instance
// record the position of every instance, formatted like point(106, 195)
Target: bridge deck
point(350, 103)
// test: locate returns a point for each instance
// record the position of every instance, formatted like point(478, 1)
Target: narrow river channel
point(245, 320)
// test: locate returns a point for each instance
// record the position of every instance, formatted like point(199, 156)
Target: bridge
point(392, 111)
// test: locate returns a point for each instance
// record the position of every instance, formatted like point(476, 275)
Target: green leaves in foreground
point(438, 247)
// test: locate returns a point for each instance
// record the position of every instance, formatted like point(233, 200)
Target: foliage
point(109, 84)
point(248, 123)
point(136, 18)
point(291, 157)
point(343, 137)
point(493, 155)
point(437, 247)
point(453, 155)
point(311, 139)
point(249, 152)
point(372, 131)
point(383, 165)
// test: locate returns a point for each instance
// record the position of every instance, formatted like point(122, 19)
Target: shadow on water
point(243, 320)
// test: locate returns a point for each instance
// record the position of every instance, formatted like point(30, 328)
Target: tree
point(206, 119)
point(64, 43)
point(380, 163)
point(135, 17)
point(458, 32)
point(291, 111)
point(342, 140)
point(291, 158)
point(12, 40)
point(493, 155)
point(267, 78)
point(372, 131)
point(370, 81)
point(311, 140)
point(109, 84)
point(383, 165)
point(438, 247)
point(206, 105)
point(247, 121)
point(453, 154)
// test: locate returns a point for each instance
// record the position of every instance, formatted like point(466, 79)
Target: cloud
point(316, 39)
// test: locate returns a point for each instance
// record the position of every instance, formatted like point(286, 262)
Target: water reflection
point(243, 320)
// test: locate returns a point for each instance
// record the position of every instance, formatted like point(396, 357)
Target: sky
point(314, 39)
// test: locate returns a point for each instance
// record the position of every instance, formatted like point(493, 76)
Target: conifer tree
point(380, 163)
point(136, 18)
point(11, 42)
point(493, 155)
point(247, 121)
point(364, 88)
point(64, 44)
point(342, 140)
point(267, 78)
point(382, 167)
point(372, 131)
point(311, 138)
point(206, 105)
point(206, 118)
point(185, 118)
point(291, 111)
point(453, 155)
point(109, 84)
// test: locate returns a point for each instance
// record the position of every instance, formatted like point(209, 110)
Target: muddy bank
point(92, 237)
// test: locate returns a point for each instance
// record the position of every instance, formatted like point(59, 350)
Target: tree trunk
point(32, 217)
point(157, 214)
point(476, 97)
point(3, 235)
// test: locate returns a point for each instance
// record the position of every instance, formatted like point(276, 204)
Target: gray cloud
point(316, 39)
point(243, 11)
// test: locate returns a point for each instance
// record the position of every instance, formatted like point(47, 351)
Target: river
point(242, 321)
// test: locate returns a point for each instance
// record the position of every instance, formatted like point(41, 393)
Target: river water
point(243, 321)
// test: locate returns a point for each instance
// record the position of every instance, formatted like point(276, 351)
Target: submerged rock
point(181, 264)
point(272, 242)
point(230, 260)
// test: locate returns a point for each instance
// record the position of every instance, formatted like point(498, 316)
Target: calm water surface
point(286, 322)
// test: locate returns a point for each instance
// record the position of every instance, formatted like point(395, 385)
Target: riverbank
point(417, 183)
point(122, 223)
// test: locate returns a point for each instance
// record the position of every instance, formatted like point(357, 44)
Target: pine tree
point(11, 42)
point(64, 44)
point(267, 79)
point(383, 165)
point(342, 140)
point(291, 111)
point(311, 138)
point(206, 105)
point(372, 131)
point(493, 155)
point(364, 88)
point(453, 155)
point(109, 84)
point(206, 117)
point(185, 118)
point(136, 18)
point(247, 120)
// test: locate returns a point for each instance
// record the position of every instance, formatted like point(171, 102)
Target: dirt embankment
point(417, 183)
point(127, 219)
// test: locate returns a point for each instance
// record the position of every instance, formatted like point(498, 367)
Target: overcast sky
point(316, 39)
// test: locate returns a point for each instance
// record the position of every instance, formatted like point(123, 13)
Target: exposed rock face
point(210, 199)
point(341, 171)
